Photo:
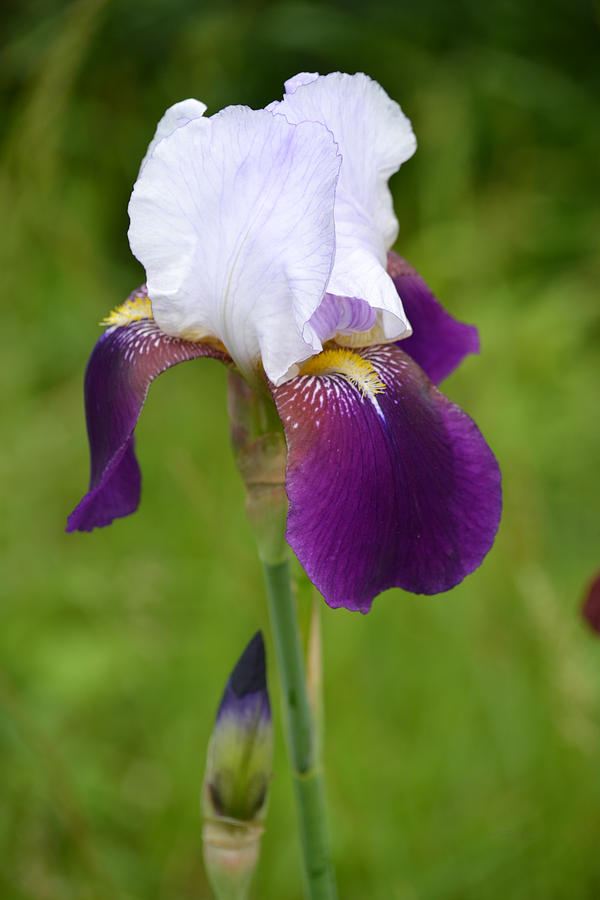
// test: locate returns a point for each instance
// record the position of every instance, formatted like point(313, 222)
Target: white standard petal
point(298, 80)
point(232, 217)
point(175, 117)
point(375, 138)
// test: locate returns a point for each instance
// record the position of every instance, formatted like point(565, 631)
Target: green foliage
point(463, 731)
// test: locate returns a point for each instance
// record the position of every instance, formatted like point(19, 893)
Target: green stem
point(308, 779)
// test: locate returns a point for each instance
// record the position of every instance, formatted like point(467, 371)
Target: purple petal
point(591, 604)
point(438, 343)
point(122, 365)
point(394, 490)
point(341, 315)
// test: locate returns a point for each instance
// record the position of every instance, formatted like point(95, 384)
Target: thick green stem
point(260, 452)
point(307, 776)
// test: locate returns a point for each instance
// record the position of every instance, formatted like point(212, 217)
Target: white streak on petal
point(375, 138)
point(232, 218)
point(175, 117)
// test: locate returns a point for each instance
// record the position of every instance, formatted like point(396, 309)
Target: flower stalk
point(309, 786)
point(261, 456)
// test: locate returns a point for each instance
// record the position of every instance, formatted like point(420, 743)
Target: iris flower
point(266, 238)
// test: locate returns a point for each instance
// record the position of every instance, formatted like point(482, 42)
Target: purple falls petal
point(123, 364)
point(396, 491)
point(438, 343)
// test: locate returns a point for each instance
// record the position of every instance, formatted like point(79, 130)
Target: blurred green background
point(463, 731)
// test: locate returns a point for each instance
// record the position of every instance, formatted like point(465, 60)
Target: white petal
point(298, 80)
point(358, 272)
point(375, 138)
point(232, 217)
point(175, 117)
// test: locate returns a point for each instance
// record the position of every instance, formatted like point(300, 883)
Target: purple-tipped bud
point(238, 771)
point(241, 748)
point(245, 695)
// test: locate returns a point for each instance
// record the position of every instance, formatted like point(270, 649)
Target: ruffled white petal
point(232, 217)
point(175, 117)
point(375, 138)
point(298, 80)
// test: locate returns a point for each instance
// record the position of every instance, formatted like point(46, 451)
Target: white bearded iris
point(267, 230)
point(265, 238)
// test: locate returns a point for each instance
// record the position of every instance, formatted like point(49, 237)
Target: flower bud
point(238, 772)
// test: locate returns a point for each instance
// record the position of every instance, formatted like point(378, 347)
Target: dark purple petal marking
point(123, 363)
point(341, 315)
point(591, 604)
point(438, 343)
point(396, 489)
